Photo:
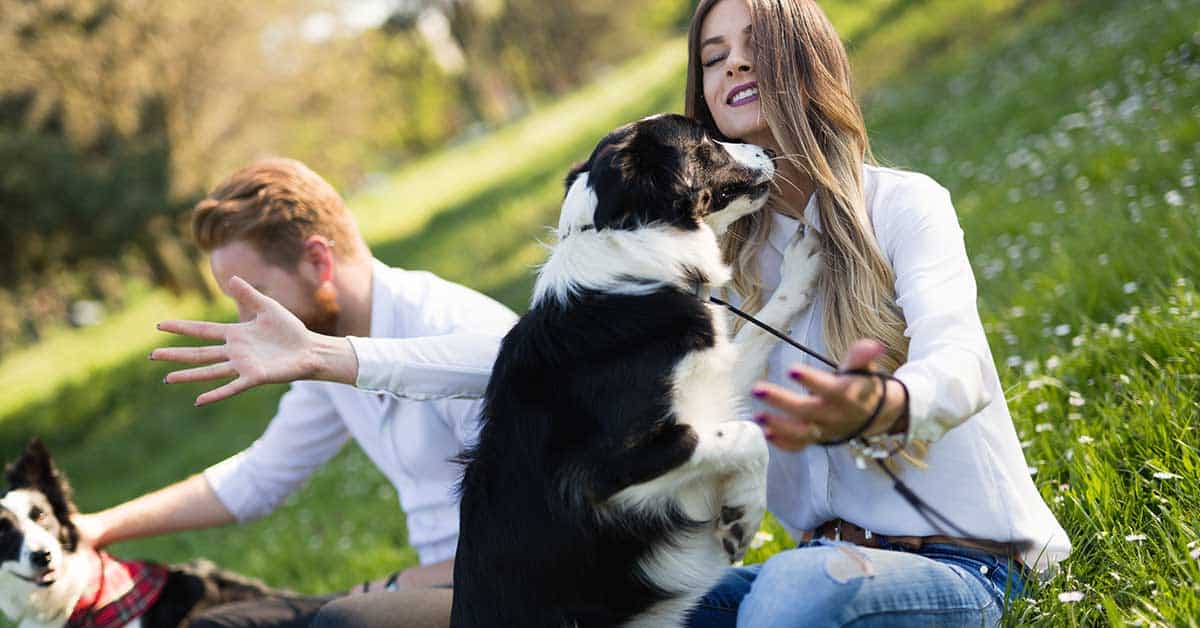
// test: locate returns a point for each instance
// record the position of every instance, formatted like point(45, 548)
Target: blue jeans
point(828, 583)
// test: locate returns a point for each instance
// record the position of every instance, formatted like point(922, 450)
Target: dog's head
point(665, 169)
point(36, 527)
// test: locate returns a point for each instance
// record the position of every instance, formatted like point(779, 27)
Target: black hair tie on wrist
point(883, 380)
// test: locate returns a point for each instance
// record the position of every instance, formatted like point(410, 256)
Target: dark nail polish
point(796, 375)
point(761, 419)
point(759, 393)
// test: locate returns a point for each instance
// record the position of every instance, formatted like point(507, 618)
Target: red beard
point(326, 311)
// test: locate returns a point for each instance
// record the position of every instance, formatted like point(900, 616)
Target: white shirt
point(410, 437)
point(977, 474)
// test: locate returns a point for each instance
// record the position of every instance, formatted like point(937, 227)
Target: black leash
point(923, 508)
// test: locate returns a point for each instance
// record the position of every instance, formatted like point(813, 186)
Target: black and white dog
point(47, 581)
point(610, 484)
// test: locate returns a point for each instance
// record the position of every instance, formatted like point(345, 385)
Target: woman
point(774, 73)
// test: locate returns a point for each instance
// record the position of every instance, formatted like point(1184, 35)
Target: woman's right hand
point(272, 347)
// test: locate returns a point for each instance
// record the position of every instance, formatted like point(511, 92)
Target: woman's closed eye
point(715, 59)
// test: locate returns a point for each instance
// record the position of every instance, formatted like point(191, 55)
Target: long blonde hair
point(808, 101)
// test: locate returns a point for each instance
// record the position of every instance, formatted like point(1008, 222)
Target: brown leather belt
point(842, 530)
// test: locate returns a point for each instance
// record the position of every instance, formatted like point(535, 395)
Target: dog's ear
point(35, 470)
point(702, 202)
point(648, 175)
point(574, 173)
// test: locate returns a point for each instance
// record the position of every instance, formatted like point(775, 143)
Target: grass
point(1068, 135)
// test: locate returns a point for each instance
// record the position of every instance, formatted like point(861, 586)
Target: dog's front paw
point(801, 261)
point(733, 531)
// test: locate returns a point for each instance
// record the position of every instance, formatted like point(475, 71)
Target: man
point(276, 228)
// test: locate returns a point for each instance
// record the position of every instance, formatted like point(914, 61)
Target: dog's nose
point(40, 558)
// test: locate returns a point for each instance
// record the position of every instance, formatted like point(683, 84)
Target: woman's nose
point(741, 66)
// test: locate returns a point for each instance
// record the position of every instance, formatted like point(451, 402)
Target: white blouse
point(977, 474)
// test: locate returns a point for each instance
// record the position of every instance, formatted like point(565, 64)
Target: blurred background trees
point(116, 115)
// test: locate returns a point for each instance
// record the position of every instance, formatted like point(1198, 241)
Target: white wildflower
point(1135, 538)
point(1074, 416)
point(1195, 554)
point(1062, 330)
point(1174, 198)
point(1085, 439)
point(1164, 475)
point(1130, 287)
point(1070, 597)
point(1014, 361)
point(1043, 427)
point(1053, 362)
point(1076, 399)
point(761, 538)
point(1041, 407)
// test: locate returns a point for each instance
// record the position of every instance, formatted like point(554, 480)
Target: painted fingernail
point(760, 393)
point(761, 419)
point(796, 375)
point(769, 436)
point(151, 356)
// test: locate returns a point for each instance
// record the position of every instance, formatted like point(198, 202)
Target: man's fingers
point(190, 355)
point(223, 370)
point(246, 296)
point(196, 329)
point(238, 385)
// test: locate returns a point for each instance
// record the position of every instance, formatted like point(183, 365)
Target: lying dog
point(47, 580)
point(610, 485)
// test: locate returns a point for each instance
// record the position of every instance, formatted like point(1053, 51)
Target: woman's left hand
point(836, 405)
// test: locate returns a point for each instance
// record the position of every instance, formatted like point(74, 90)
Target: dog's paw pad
point(732, 532)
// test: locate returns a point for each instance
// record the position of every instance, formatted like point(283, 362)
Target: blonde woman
point(895, 270)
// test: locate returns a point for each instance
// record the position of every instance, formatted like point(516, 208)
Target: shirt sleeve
point(304, 434)
point(451, 366)
point(948, 357)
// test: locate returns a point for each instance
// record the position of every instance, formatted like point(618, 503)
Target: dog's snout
point(40, 558)
point(769, 153)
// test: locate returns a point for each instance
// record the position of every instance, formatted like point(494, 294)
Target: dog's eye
point(36, 514)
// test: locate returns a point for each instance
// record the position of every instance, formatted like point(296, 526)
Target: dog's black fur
point(190, 587)
point(579, 408)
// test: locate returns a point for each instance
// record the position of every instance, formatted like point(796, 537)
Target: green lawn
point(1069, 136)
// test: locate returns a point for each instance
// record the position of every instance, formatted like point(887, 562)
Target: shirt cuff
point(922, 426)
point(236, 494)
point(419, 376)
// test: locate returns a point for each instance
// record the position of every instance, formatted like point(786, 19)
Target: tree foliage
point(116, 115)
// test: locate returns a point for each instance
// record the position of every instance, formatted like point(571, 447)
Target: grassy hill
point(1069, 136)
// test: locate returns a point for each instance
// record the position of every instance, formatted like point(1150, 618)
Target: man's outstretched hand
point(271, 346)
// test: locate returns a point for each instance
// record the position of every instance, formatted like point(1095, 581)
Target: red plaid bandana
point(120, 592)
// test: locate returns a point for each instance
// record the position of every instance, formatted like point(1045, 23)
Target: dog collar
point(119, 592)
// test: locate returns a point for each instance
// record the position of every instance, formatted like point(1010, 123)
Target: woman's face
point(730, 83)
